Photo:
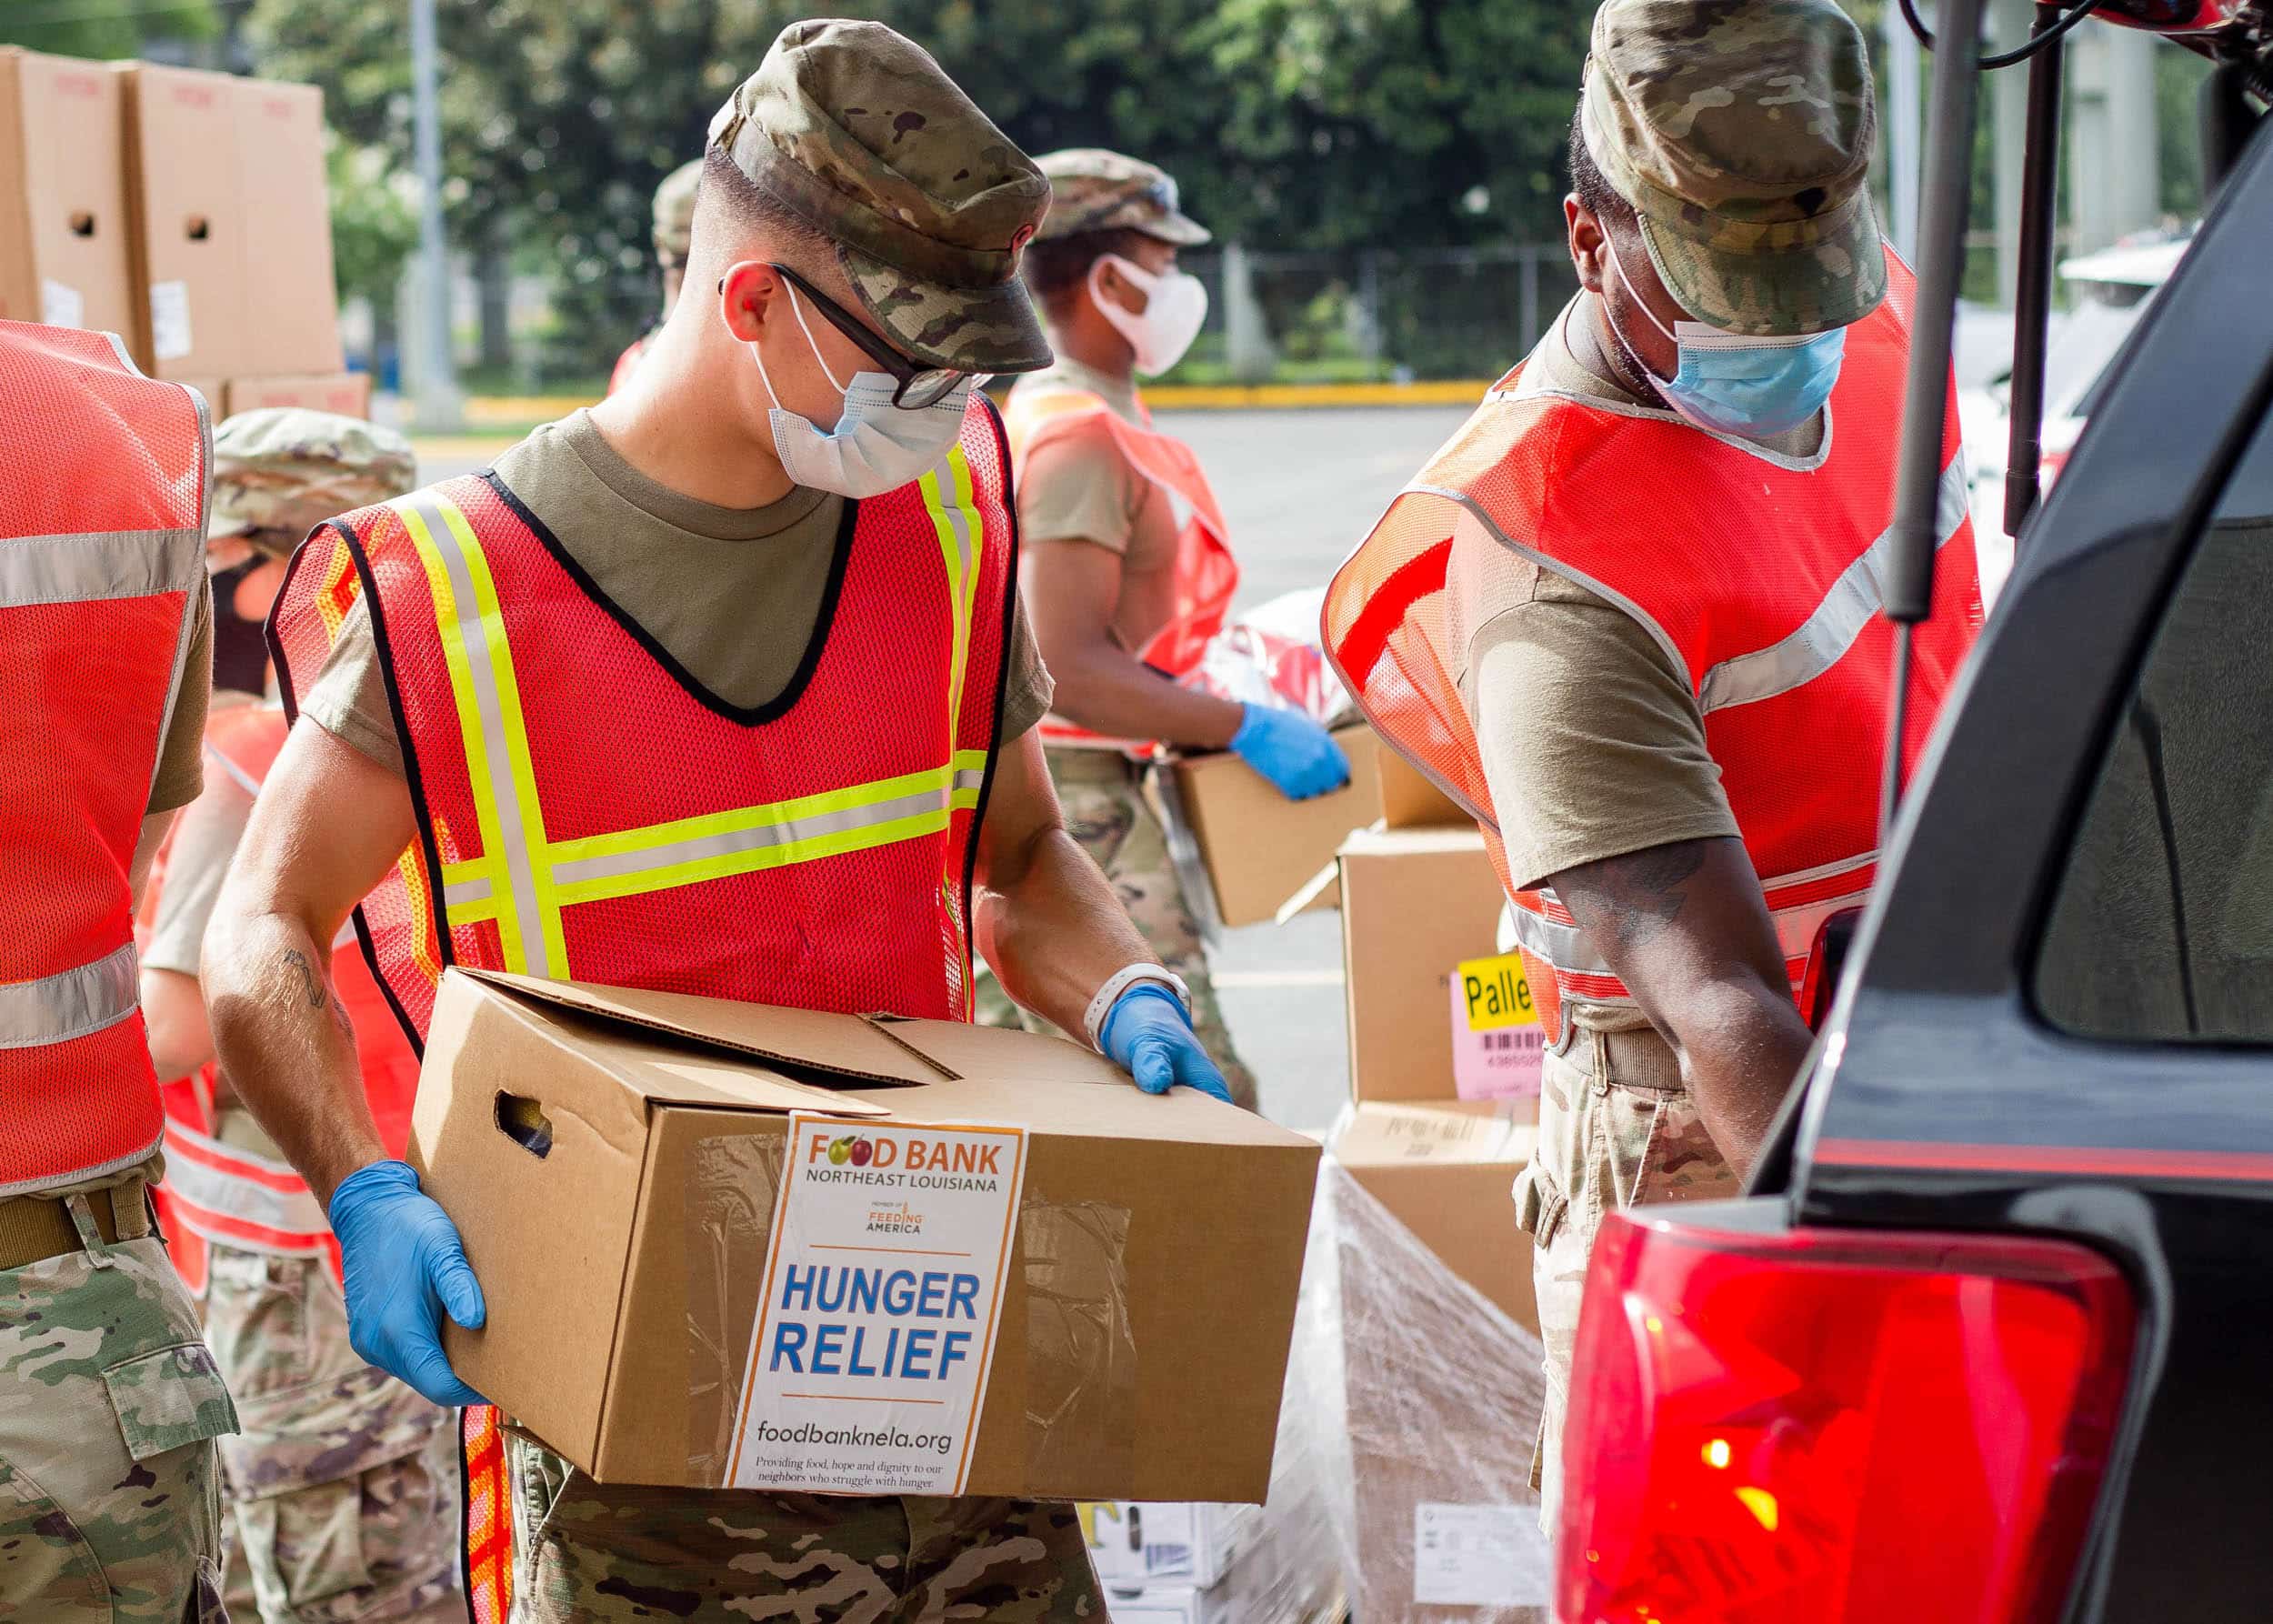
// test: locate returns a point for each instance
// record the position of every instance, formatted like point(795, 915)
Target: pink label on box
point(1498, 1044)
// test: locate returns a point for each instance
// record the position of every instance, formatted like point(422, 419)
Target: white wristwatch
point(1119, 982)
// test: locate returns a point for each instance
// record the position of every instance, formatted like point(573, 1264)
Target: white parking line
point(1251, 979)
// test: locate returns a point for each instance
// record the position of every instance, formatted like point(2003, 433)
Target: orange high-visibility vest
point(1207, 576)
point(103, 486)
point(218, 1192)
point(588, 810)
point(1759, 577)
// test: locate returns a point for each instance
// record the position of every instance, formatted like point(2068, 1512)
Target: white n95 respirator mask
point(1176, 308)
point(876, 446)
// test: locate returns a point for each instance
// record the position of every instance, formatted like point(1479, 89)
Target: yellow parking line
point(496, 413)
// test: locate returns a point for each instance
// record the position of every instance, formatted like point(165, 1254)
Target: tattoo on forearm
point(340, 1019)
point(1640, 895)
point(310, 982)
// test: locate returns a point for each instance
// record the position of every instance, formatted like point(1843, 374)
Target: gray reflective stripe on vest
point(73, 1004)
point(787, 832)
point(1565, 946)
point(1824, 637)
point(465, 602)
point(191, 1176)
point(234, 773)
point(1568, 949)
point(96, 566)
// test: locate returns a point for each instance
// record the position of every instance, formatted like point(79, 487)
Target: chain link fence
point(1373, 316)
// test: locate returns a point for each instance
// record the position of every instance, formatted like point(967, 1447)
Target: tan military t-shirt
point(1592, 740)
point(731, 594)
point(181, 755)
point(1081, 487)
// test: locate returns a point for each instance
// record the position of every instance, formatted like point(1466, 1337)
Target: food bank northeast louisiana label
point(884, 1283)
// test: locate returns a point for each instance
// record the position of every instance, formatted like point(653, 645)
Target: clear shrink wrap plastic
point(1271, 655)
point(1411, 1415)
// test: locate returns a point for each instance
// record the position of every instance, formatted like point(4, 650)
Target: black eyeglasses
point(919, 386)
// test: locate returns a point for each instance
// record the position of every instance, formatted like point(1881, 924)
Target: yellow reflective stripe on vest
point(480, 663)
point(961, 530)
point(962, 536)
point(793, 831)
point(522, 880)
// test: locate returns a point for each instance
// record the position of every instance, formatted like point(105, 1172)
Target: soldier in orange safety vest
point(674, 227)
point(722, 687)
point(1128, 569)
point(341, 1488)
point(1628, 615)
point(109, 1401)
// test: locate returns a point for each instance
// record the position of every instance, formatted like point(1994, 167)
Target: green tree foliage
point(374, 223)
point(104, 28)
point(1301, 124)
point(1397, 122)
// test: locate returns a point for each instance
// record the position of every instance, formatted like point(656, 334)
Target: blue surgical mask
point(1727, 383)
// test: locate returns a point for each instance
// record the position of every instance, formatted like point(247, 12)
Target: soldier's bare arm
point(174, 1011)
point(329, 824)
point(1047, 920)
point(1072, 589)
point(1685, 926)
point(147, 845)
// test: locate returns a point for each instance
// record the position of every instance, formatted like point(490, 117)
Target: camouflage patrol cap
point(1740, 131)
point(1092, 189)
point(280, 471)
point(855, 130)
point(674, 214)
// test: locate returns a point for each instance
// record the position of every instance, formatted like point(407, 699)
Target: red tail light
point(1835, 1428)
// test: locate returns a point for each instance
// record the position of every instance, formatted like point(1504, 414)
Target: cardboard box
point(231, 238)
point(63, 196)
point(348, 393)
point(1448, 1172)
point(292, 299)
point(1409, 800)
point(1416, 904)
point(212, 392)
point(1172, 1543)
point(1260, 848)
point(620, 1164)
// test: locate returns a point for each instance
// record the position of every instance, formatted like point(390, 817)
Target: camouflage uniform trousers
point(343, 1490)
point(1617, 1129)
point(109, 1404)
point(584, 1552)
point(1101, 793)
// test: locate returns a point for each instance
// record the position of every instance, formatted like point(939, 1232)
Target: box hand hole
point(197, 229)
point(524, 1121)
point(82, 224)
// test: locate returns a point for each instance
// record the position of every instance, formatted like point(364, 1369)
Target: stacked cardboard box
point(62, 195)
point(231, 238)
point(188, 212)
point(1421, 1328)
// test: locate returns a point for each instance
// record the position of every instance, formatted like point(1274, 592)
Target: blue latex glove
point(404, 1266)
point(1147, 1035)
point(1292, 751)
